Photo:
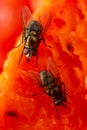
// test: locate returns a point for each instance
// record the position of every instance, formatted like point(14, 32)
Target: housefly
point(50, 82)
point(55, 90)
point(33, 33)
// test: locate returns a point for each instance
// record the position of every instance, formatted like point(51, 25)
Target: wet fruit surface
point(66, 35)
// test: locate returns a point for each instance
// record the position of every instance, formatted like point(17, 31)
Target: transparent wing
point(53, 68)
point(45, 20)
point(33, 75)
point(26, 83)
point(25, 16)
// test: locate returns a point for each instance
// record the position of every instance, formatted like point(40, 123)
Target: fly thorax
point(33, 41)
point(51, 89)
point(54, 91)
point(27, 42)
point(34, 38)
point(33, 33)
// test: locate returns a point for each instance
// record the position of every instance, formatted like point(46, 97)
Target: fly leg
point(36, 94)
point(20, 43)
point(57, 111)
point(66, 94)
point(63, 104)
point(65, 90)
point(43, 39)
point(37, 59)
point(20, 56)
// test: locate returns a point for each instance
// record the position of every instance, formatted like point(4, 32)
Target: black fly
point(33, 33)
point(53, 86)
point(50, 82)
point(55, 91)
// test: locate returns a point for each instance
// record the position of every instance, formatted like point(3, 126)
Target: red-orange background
point(69, 25)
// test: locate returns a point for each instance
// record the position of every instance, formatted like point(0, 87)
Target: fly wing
point(33, 75)
point(27, 83)
point(53, 68)
point(45, 20)
point(26, 16)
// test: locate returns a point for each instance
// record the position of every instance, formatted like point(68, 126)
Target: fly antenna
point(68, 95)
